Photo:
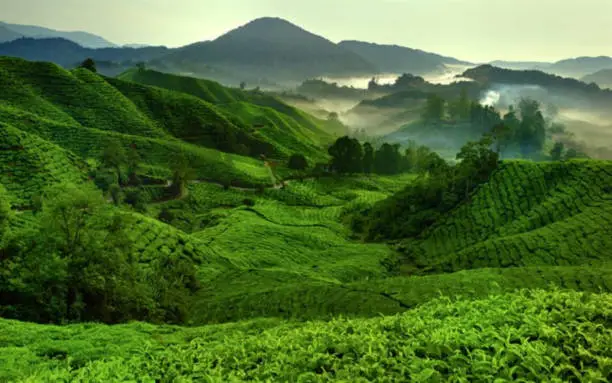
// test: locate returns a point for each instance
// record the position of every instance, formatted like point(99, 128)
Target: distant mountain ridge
point(399, 59)
point(276, 48)
point(85, 39)
point(7, 34)
point(603, 78)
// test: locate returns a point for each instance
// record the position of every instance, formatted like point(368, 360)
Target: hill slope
point(68, 54)
point(528, 214)
point(603, 78)
point(80, 111)
point(7, 34)
point(398, 59)
point(580, 66)
point(85, 39)
point(276, 49)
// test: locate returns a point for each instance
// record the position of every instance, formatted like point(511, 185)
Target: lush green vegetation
point(526, 336)
point(134, 199)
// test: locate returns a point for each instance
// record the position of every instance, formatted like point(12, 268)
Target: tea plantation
point(238, 279)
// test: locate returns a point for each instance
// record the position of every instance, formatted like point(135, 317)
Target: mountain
point(603, 78)
point(398, 59)
point(85, 39)
point(69, 54)
point(521, 65)
point(274, 48)
point(580, 66)
point(7, 34)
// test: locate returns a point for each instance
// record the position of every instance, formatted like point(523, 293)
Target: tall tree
point(182, 173)
point(434, 108)
point(114, 157)
point(387, 159)
point(347, 155)
point(297, 162)
point(368, 158)
point(556, 153)
point(89, 64)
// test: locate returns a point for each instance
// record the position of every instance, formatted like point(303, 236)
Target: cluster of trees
point(420, 204)
point(349, 156)
point(118, 175)
point(521, 131)
point(76, 263)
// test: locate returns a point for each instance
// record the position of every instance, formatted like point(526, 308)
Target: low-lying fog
point(448, 76)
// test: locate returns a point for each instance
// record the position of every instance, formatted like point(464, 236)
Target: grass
point(524, 336)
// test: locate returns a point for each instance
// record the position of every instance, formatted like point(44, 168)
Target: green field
point(267, 283)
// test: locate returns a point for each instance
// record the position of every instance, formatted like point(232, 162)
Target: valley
point(274, 206)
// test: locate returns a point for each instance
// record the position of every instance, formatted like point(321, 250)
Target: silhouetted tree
point(556, 153)
point(89, 64)
point(297, 162)
point(434, 108)
point(347, 155)
point(387, 159)
point(368, 158)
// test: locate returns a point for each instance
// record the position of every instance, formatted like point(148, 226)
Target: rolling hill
point(85, 39)
point(274, 48)
point(80, 111)
point(398, 59)
point(7, 34)
point(580, 66)
point(603, 78)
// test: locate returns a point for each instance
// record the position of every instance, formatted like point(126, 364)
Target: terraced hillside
point(528, 214)
point(43, 99)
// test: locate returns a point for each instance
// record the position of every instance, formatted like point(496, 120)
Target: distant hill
point(564, 92)
point(603, 78)
point(85, 39)
point(68, 54)
point(398, 59)
point(7, 34)
point(580, 66)
point(521, 65)
point(274, 48)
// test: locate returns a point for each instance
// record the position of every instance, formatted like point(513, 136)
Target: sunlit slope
point(551, 213)
point(252, 108)
point(29, 164)
point(80, 97)
point(525, 336)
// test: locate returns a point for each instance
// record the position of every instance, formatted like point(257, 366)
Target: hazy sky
point(477, 30)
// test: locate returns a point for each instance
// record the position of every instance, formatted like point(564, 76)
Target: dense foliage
point(525, 336)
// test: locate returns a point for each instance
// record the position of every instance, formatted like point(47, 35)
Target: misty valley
point(273, 206)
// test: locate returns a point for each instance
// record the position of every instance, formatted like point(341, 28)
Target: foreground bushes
point(527, 336)
point(77, 264)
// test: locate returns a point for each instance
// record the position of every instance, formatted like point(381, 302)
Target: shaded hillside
point(398, 59)
point(580, 66)
point(276, 49)
point(68, 54)
point(81, 111)
point(603, 78)
point(7, 34)
point(85, 39)
point(527, 214)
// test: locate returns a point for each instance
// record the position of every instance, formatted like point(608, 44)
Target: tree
point(243, 85)
point(5, 215)
point(477, 162)
point(434, 108)
point(556, 153)
point(114, 157)
point(388, 159)
point(141, 66)
point(181, 174)
point(297, 162)
point(503, 135)
point(368, 158)
point(133, 166)
point(347, 155)
point(90, 65)
point(332, 116)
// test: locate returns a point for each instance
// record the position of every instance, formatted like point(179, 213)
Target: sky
point(474, 30)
